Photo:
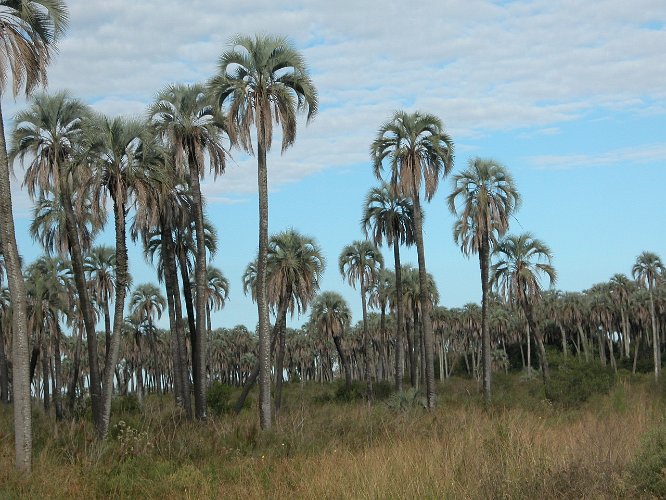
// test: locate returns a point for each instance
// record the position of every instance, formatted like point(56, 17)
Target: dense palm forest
point(80, 339)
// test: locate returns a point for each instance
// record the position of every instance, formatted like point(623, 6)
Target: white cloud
point(621, 156)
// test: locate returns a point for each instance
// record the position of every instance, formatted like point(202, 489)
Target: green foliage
point(219, 398)
point(648, 469)
point(355, 392)
point(382, 390)
point(410, 398)
point(125, 404)
point(573, 382)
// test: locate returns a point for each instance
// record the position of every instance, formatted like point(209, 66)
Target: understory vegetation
point(326, 443)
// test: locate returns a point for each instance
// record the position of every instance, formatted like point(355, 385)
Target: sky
point(569, 95)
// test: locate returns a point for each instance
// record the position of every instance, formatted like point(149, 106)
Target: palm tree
point(188, 122)
point(521, 261)
point(646, 270)
point(621, 289)
point(147, 304)
point(217, 293)
point(263, 80)
point(100, 264)
point(387, 215)
point(361, 261)
point(29, 31)
point(295, 266)
point(49, 132)
point(330, 314)
point(121, 153)
point(487, 197)
point(418, 152)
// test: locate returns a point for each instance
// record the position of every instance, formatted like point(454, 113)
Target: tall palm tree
point(331, 315)
point(361, 261)
point(30, 29)
point(263, 79)
point(521, 262)
point(187, 120)
point(387, 215)
point(621, 289)
point(418, 153)
point(646, 270)
point(486, 197)
point(121, 153)
point(50, 132)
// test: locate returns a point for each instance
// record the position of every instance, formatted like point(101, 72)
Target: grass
point(521, 447)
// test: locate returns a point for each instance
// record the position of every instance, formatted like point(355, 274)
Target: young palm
point(331, 315)
point(418, 153)
point(361, 261)
point(486, 197)
point(387, 215)
point(263, 80)
point(521, 262)
point(50, 132)
point(186, 119)
point(100, 267)
point(646, 270)
point(30, 29)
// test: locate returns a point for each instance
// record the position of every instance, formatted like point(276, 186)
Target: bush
point(356, 391)
point(125, 404)
point(218, 398)
point(572, 382)
point(648, 469)
point(382, 390)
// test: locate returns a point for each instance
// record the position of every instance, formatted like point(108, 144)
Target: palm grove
point(79, 165)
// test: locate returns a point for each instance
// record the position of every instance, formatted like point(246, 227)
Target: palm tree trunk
point(262, 303)
point(85, 305)
point(366, 342)
point(118, 312)
point(181, 372)
point(484, 252)
point(199, 350)
point(20, 356)
point(410, 326)
point(655, 336)
point(527, 307)
point(279, 361)
point(425, 305)
point(4, 369)
point(45, 373)
point(76, 368)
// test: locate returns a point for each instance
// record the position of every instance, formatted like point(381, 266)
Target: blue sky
point(570, 96)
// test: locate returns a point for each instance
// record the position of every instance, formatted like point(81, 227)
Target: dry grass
point(522, 447)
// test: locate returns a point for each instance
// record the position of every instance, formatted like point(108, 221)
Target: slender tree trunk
point(45, 373)
point(57, 373)
point(343, 361)
point(636, 350)
point(76, 368)
point(107, 330)
point(545, 372)
point(139, 370)
point(262, 302)
point(252, 377)
point(565, 347)
point(20, 349)
point(181, 372)
point(122, 280)
point(410, 326)
point(366, 342)
point(4, 370)
point(425, 305)
point(199, 350)
point(655, 336)
point(484, 252)
point(279, 361)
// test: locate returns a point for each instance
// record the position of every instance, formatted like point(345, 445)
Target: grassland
point(611, 446)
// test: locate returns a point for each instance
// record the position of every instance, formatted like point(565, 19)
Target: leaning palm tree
point(486, 197)
point(331, 315)
point(49, 133)
point(387, 215)
point(29, 31)
point(418, 153)
point(521, 262)
point(186, 119)
point(263, 80)
point(646, 270)
point(361, 261)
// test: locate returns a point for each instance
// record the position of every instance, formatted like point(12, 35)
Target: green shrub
point(218, 398)
point(125, 404)
point(382, 390)
point(572, 382)
point(410, 398)
point(648, 469)
point(356, 391)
